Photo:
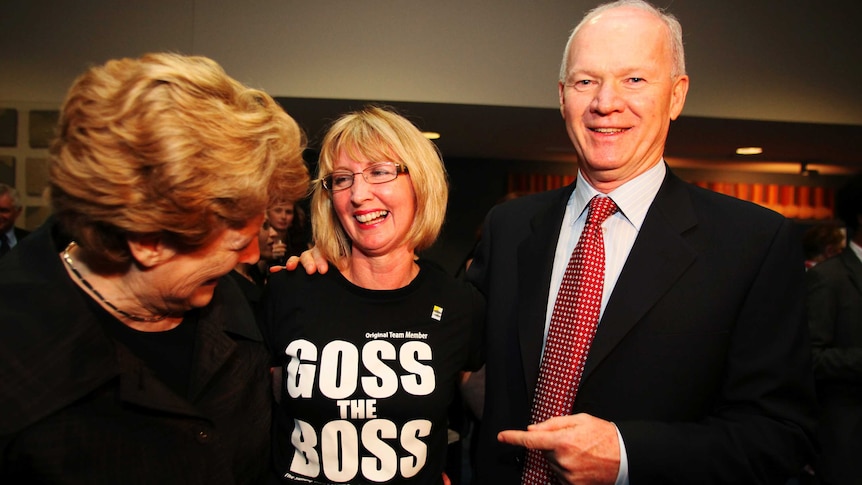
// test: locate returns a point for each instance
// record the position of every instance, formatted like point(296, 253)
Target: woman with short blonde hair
point(381, 135)
point(125, 355)
point(370, 353)
point(169, 145)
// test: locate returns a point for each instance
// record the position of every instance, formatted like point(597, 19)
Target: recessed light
point(749, 151)
point(431, 135)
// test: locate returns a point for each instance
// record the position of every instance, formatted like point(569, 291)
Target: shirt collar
point(633, 197)
point(857, 250)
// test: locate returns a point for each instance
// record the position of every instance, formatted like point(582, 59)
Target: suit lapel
point(138, 385)
point(214, 346)
point(222, 323)
point(659, 256)
point(535, 265)
point(854, 267)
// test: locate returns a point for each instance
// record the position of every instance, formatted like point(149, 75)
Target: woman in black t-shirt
point(369, 353)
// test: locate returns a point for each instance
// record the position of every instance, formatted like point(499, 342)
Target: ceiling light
point(749, 151)
point(431, 135)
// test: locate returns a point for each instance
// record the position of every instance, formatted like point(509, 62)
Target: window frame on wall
point(29, 163)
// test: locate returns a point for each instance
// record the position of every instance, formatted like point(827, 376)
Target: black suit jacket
point(701, 357)
point(835, 320)
point(20, 233)
point(78, 407)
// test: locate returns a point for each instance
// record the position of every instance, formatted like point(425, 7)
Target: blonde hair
point(380, 134)
point(167, 145)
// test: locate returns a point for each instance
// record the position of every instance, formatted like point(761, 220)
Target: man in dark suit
point(10, 209)
point(699, 371)
point(835, 320)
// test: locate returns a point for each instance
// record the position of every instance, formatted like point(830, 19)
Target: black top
point(78, 406)
point(368, 374)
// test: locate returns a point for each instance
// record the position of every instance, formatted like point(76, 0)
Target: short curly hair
point(168, 145)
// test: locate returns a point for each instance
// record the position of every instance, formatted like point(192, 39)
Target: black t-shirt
point(368, 374)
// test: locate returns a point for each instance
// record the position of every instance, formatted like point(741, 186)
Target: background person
point(699, 370)
point(291, 226)
point(371, 351)
point(252, 277)
point(822, 241)
point(10, 209)
point(124, 356)
point(835, 320)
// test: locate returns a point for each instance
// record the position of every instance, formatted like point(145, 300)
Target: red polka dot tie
point(573, 326)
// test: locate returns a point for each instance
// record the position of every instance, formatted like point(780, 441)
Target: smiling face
point(376, 217)
point(187, 280)
point(619, 97)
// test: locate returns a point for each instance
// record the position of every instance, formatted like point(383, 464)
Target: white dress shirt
point(619, 231)
point(10, 237)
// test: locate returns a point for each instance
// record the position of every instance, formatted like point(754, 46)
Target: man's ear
point(149, 250)
point(678, 93)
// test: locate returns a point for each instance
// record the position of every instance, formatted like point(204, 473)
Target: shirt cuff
point(623, 474)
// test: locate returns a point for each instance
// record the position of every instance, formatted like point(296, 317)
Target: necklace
point(68, 259)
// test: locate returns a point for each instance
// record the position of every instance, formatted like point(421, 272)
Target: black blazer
point(78, 407)
point(20, 233)
point(701, 357)
point(835, 320)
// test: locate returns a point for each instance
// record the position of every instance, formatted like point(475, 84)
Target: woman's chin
point(203, 295)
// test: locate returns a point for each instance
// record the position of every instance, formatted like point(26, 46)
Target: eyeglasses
point(379, 173)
